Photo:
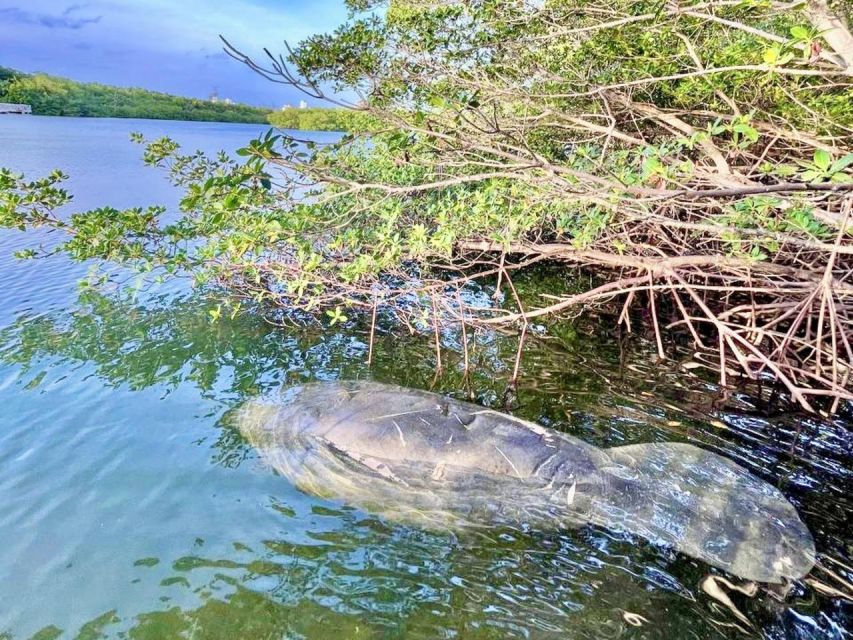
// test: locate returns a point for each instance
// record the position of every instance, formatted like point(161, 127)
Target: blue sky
point(164, 45)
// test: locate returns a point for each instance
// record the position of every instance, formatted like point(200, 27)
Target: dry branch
point(775, 300)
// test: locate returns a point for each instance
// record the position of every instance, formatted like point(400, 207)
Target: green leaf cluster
point(309, 119)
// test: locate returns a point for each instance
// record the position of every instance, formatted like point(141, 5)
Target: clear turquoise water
point(130, 507)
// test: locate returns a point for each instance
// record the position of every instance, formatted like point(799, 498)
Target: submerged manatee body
point(413, 455)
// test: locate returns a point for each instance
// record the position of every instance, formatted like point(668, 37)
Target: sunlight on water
point(130, 506)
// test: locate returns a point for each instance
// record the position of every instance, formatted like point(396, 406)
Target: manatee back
point(708, 507)
point(405, 452)
point(378, 423)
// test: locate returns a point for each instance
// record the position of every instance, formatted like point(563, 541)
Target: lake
point(131, 507)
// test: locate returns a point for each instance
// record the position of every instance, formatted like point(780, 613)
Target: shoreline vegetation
point(692, 161)
point(54, 96)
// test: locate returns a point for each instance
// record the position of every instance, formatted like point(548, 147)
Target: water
point(130, 506)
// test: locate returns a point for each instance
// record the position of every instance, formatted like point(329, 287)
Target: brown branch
point(833, 30)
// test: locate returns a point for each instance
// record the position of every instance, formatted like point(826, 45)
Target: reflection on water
point(131, 507)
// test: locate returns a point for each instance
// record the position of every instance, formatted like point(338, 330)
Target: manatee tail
point(705, 506)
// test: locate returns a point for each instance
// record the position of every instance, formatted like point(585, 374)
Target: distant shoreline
point(54, 96)
point(13, 116)
point(271, 123)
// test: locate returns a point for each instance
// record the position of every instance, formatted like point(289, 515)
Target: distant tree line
point(52, 96)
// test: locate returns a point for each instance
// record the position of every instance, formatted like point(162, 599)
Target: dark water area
point(131, 507)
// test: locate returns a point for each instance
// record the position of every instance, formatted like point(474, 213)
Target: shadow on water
point(318, 568)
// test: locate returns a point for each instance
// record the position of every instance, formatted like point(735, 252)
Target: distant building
point(8, 107)
point(215, 99)
point(303, 104)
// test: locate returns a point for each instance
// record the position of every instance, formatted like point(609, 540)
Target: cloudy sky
point(164, 45)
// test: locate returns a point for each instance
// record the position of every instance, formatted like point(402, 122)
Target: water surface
point(130, 506)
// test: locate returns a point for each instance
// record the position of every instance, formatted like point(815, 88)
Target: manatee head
point(280, 417)
point(276, 425)
point(288, 429)
point(255, 420)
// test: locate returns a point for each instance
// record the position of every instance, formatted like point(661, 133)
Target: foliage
point(319, 119)
point(698, 154)
point(7, 74)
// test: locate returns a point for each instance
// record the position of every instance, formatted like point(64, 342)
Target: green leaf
point(822, 159)
point(771, 55)
point(336, 316)
point(750, 133)
point(799, 32)
point(757, 253)
point(842, 163)
point(785, 170)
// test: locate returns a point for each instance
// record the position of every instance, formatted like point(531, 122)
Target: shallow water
point(131, 507)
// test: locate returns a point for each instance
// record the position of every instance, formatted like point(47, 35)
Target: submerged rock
point(421, 457)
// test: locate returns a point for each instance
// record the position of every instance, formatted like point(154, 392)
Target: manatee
point(416, 456)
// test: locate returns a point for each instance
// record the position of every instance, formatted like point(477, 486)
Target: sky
point(164, 45)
